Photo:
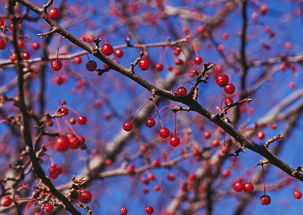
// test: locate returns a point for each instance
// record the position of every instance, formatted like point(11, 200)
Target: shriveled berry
point(91, 65)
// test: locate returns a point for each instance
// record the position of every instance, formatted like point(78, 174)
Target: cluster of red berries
point(222, 80)
point(54, 171)
point(63, 142)
point(148, 210)
point(239, 186)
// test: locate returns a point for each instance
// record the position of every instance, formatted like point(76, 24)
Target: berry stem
point(75, 112)
point(157, 114)
point(140, 110)
point(58, 126)
point(175, 122)
point(68, 126)
point(264, 187)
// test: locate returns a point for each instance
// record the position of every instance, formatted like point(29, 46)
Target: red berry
point(6, 201)
point(215, 143)
point(128, 126)
point(228, 101)
point(2, 43)
point(225, 173)
point(164, 132)
point(265, 200)
point(56, 65)
point(207, 135)
point(82, 120)
point(91, 65)
point(144, 63)
point(179, 62)
point(222, 80)
point(36, 46)
point(177, 51)
point(260, 135)
point(21, 44)
point(123, 211)
point(63, 111)
point(159, 67)
point(62, 143)
point(119, 53)
point(174, 141)
point(229, 88)
point(198, 60)
point(224, 149)
point(53, 13)
point(181, 91)
point(13, 57)
point(297, 194)
point(170, 177)
point(26, 55)
point(238, 186)
point(84, 196)
point(263, 9)
point(130, 169)
point(150, 122)
point(77, 60)
point(169, 68)
point(149, 209)
point(48, 207)
point(249, 187)
point(107, 49)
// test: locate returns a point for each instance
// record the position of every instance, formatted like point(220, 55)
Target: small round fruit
point(174, 141)
point(123, 211)
point(228, 101)
point(26, 55)
point(229, 89)
point(91, 65)
point(36, 46)
point(84, 196)
point(82, 120)
point(238, 186)
point(48, 207)
point(222, 80)
point(198, 60)
point(144, 63)
point(56, 65)
point(127, 126)
point(119, 53)
point(181, 91)
point(77, 60)
point(149, 209)
point(2, 43)
point(107, 49)
point(150, 122)
point(53, 13)
point(265, 200)
point(297, 194)
point(164, 132)
point(62, 143)
point(249, 187)
point(159, 67)
point(6, 201)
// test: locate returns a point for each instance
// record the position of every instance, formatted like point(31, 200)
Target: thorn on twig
point(101, 71)
point(127, 40)
point(275, 138)
point(97, 42)
point(224, 110)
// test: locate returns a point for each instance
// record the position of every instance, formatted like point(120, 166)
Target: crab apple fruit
point(48, 207)
point(222, 80)
point(149, 209)
point(144, 63)
point(229, 88)
point(36, 46)
point(63, 111)
point(127, 126)
point(91, 65)
point(179, 62)
point(107, 49)
point(265, 200)
point(263, 9)
point(248, 187)
point(297, 194)
point(123, 211)
point(6, 201)
point(164, 132)
point(228, 101)
point(119, 53)
point(62, 143)
point(82, 120)
point(53, 13)
point(26, 55)
point(238, 186)
point(84, 196)
point(56, 65)
point(215, 143)
point(150, 122)
point(2, 43)
point(159, 67)
point(198, 60)
point(174, 141)
point(260, 135)
point(224, 149)
point(77, 60)
point(181, 91)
